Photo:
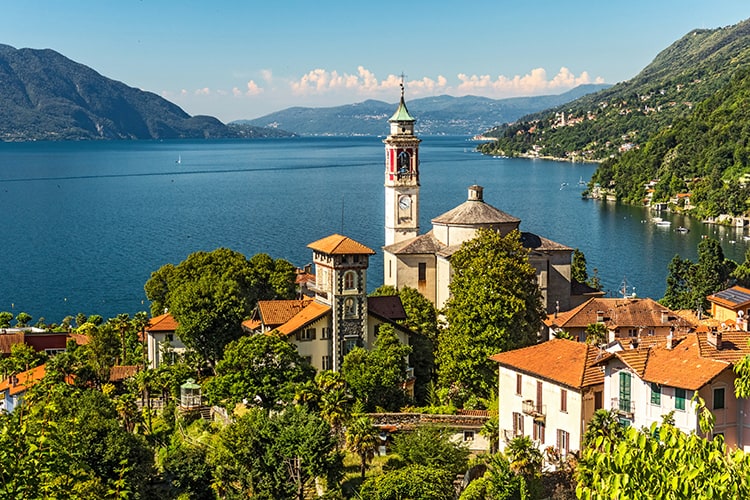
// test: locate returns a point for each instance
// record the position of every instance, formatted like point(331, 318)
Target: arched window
point(350, 280)
point(350, 307)
point(403, 163)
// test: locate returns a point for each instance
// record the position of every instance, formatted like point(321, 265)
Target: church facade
point(422, 261)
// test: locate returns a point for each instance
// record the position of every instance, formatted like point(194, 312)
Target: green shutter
point(624, 391)
point(655, 394)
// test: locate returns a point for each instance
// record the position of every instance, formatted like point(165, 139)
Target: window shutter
point(313, 334)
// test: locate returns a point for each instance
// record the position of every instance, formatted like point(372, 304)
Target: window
point(538, 431)
point(350, 307)
point(679, 399)
point(517, 424)
point(326, 363)
point(422, 271)
point(563, 441)
point(718, 398)
point(539, 395)
point(325, 332)
point(563, 400)
point(349, 280)
point(169, 337)
point(624, 402)
point(519, 384)
point(307, 334)
point(54, 352)
point(468, 435)
point(390, 268)
point(598, 400)
point(655, 394)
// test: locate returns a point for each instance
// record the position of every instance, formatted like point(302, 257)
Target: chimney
point(664, 316)
point(600, 316)
point(670, 341)
point(714, 339)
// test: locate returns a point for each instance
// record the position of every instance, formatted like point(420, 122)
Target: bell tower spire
point(401, 176)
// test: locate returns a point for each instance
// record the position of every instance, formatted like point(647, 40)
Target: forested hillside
point(614, 121)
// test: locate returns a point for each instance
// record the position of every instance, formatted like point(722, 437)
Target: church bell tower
point(401, 177)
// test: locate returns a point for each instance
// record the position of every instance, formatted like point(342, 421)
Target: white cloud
point(266, 75)
point(534, 82)
point(203, 91)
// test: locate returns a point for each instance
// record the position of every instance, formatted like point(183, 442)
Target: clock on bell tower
point(401, 177)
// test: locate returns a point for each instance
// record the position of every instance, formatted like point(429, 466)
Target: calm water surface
point(85, 224)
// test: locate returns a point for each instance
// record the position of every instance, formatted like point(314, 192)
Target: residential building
point(423, 261)
point(731, 306)
point(628, 320)
point(643, 385)
point(39, 339)
point(549, 392)
point(161, 339)
point(340, 316)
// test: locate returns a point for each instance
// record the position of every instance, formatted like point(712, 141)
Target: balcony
point(530, 407)
point(623, 406)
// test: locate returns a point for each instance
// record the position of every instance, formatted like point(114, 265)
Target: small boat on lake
point(682, 230)
point(663, 223)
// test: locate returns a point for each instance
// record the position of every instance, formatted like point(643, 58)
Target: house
point(161, 339)
point(422, 261)
point(340, 315)
point(549, 392)
point(643, 385)
point(39, 339)
point(732, 304)
point(627, 319)
point(13, 389)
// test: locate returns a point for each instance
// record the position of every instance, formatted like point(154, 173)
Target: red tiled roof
point(564, 361)
point(24, 380)
point(338, 245)
point(618, 312)
point(251, 324)
point(736, 297)
point(277, 312)
point(312, 312)
point(8, 340)
point(162, 323)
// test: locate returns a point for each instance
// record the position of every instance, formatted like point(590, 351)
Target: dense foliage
point(495, 306)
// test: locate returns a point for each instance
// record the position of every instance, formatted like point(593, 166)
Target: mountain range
point(46, 96)
point(439, 115)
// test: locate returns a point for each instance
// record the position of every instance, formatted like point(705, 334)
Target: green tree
point(596, 333)
point(495, 306)
point(742, 272)
point(661, 462)
point(5, 319)
point(432, 446)
point(712, 272)
point(274, 455)
point(23, 319)
point(498, 483)
point(211, 293)
point(362, 439)
point(375, 377)
point(262, 370)
point(412, 481)
point(578, 268)
point(678, 294)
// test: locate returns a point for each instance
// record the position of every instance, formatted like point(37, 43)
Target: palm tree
point(605, 424)
point(491, 431)
point(525, 458)
point(362, 439)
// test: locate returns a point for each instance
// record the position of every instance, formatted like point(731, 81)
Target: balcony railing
point(530, 407)
point(623, 406)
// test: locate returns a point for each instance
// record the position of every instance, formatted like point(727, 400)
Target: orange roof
point(734, 346)
point(312, 312)
point(24, 380)
point(682, 366)
point(162, 323)
point(277, 312)
point(251, 324)
point(339, 245)
point(617, 312)
point(80, 338)
point(564, 361)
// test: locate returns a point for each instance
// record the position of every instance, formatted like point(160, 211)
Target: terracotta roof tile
point(338, 245)
point(24, 380)
point(162, 323)
point(618, 312)
point(734, 346)
point(251, 324)
point(312, 312)
point(636, 359)
point(564, 361)
point(8, 340)
point(277, 312)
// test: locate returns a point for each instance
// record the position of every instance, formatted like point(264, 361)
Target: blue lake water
point(85, 223)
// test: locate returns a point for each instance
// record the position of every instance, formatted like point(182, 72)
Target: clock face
point(404, 202)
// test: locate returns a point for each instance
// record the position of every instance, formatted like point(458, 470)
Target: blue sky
point(244, 59)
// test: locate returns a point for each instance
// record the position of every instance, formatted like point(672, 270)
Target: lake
point(85, 223)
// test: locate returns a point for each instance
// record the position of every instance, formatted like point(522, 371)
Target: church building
point(422, 261)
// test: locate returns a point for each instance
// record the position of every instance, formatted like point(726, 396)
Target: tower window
point(350, 307)
point(422, 271)
point(349, 280)
point(403, 163)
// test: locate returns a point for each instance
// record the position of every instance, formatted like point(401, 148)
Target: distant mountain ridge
point(46, 96)
point(439, 115)
point(625, 116)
